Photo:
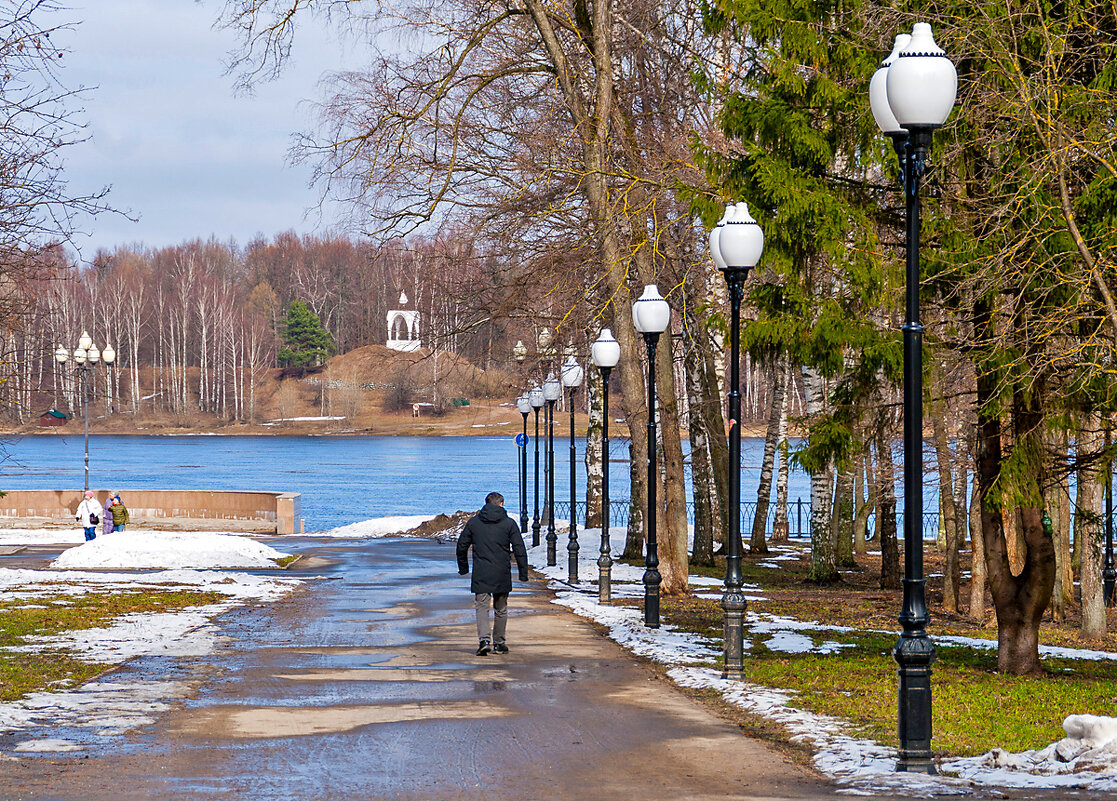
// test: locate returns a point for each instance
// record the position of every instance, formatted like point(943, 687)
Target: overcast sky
point(181, 150)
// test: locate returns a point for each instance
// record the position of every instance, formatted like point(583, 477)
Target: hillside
point(369, 390)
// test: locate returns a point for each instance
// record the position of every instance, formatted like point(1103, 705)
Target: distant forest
point(194, 326)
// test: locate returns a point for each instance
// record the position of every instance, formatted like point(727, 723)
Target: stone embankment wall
point(272, 512)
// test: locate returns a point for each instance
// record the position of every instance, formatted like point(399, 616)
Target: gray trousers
point(499, 601)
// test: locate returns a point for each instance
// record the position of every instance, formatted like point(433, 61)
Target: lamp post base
point(652, 580)
point(733, 602)
point(604, 579)
point(914, 654)
point(572, 559)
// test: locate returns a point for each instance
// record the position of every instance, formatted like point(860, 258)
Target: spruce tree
point(799, 153)
point(305, 342)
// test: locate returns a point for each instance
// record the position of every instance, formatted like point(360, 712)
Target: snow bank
point(169, 549)
point(378, 527)
point(41, 536)
point(1085, 759)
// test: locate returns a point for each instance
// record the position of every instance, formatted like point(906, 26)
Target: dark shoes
point(484, 648)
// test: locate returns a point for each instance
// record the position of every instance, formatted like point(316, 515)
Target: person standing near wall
point(89, 515)
point(120, 516)
point(492, 535)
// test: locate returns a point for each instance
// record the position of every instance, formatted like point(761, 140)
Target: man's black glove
point(523, 577)
point(463, 572)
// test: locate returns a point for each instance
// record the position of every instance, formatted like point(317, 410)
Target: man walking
point(492, 533)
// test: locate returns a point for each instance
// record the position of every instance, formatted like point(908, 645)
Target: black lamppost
point(606, 354)
point(552, 391)
point(914, 92)
point(523, 404)
point(1108, 573)
point(650, 316)
point(86, 356)
point(535, 396)
point(735, 246)
point(572, 375)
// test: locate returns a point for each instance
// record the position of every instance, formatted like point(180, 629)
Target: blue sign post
point(521, 440)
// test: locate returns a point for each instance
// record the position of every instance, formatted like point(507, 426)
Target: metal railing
point(798, 517)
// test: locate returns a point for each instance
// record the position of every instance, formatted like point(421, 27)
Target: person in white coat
point(89, 515)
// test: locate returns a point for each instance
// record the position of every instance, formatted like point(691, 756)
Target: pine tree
point(305, 342)
point(797, 129)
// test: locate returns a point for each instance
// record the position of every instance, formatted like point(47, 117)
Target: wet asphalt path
point(365, 686)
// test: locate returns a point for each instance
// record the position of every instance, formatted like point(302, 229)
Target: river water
point(342, 479)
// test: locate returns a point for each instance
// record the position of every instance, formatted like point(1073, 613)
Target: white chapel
point(403, 327)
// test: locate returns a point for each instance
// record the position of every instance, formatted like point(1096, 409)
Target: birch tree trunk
point(865, 505)
point(595, 465)
point(823, 566)
point(757, 543)
point(780, 526)
point(702, 478)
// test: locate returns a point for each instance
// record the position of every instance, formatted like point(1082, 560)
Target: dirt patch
point(444, 528)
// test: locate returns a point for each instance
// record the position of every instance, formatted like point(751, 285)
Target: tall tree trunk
point(940, 414)
point(674, 554)
point(843, 518)
point(865, 505)
point(594, 442)
point(1020, 599)
point(1089, 526)
point(886, 514)
point(780, 526)
point(823, 565)
point(977, 547)
point(1062, 594)
point(757, 542)
point(702, 478)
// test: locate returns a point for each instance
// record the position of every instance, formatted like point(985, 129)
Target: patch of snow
point(169, 549)
point(1044, 650)
point(104, 707)
point(187, 632)
point(23, 583)
point(47, 745)
point(1085, 759)
point(378, 527)
point(789, 642)
point(307, 419)
point(41, 536)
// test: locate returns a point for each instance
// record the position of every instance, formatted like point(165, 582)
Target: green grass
point(23, 673)
point(974, 707)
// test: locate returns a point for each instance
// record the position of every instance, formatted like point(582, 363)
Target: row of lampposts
point(86, 356)
point(911, 95)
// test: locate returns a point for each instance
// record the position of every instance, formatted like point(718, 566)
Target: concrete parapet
point(273, 512)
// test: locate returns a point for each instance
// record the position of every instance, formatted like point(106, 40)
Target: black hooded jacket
point(492, 533)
